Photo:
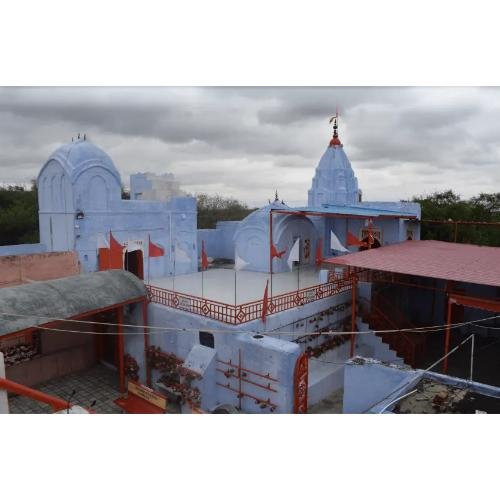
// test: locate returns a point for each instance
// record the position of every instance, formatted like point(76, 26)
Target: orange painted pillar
point(121, 348)
point(353, 315)
point(146, 341)
point(447, 336)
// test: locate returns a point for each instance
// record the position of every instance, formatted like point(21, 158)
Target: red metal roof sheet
point(431, 259)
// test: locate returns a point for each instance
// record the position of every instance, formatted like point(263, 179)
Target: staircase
point(384, 315)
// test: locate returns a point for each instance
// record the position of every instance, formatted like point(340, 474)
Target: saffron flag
point(264, 302)
point(319, 253)
point(155, 250)
point(352, 241)
point(335, 243)
point(204, 257)
point(275, 253)
point(115, 253)
point(239, 263)
point(294, 255)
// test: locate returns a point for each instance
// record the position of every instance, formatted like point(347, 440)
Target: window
point(207, 339)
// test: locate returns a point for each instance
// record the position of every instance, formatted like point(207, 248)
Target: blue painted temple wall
point(219, 242)
point(79, 191)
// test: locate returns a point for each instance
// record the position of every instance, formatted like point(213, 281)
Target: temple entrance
point(134, 263)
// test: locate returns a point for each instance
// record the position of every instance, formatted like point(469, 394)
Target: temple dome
point(251, 239)
point(260, 217)
point(79, 155)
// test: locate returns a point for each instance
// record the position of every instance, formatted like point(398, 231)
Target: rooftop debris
point(437, 397)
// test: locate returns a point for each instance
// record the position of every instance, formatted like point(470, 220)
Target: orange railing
point(57, 404)
point(249, 311)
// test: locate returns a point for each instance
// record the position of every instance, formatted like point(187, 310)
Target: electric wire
point(424, 329)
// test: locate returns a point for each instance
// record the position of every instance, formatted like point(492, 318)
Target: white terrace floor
point(219, 284)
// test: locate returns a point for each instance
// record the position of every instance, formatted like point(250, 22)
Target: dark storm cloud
point(247, 141)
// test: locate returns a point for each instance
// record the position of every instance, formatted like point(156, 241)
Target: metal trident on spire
point(334, 119)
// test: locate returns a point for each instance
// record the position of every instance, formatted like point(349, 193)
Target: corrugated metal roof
point(65, 298)
point(431, 259)
point(357, 210)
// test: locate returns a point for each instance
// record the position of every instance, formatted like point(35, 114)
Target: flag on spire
point(155, 250)
point(264, 302)
point(204, 257)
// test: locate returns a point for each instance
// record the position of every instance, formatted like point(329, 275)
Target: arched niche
point(55, 193)
point(95, 187)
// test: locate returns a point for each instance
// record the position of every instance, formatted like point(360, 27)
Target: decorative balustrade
point(249, 311)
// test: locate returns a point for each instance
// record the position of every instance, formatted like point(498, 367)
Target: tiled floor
point(99, 383)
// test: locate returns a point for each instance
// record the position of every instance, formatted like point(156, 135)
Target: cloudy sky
point(245, 142)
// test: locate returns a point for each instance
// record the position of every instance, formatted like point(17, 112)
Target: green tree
point(18, 215)
point(213, 208)
point(448, 206)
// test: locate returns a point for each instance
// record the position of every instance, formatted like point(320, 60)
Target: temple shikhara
point(125, 305)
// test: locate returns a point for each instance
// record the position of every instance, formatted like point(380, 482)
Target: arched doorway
point(134, 263)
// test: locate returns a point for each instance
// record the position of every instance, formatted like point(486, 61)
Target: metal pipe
point(353, 315)
point(146, 341)
point(228, 363)
point(447, 336)
point(239, 376)
point(472, 357)
point(121, 348)
point(251, 382)
point(262, 401)
point(270, 250)
point(398, 399)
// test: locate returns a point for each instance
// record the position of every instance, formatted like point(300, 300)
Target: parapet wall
point(219, 243)
point(20, 269)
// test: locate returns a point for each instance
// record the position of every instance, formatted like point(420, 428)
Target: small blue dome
point(77, 156)
point(260, 217)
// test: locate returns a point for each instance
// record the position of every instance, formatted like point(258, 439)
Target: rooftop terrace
point(213, 294)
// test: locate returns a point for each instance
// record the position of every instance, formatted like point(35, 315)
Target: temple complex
point(260, 315)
